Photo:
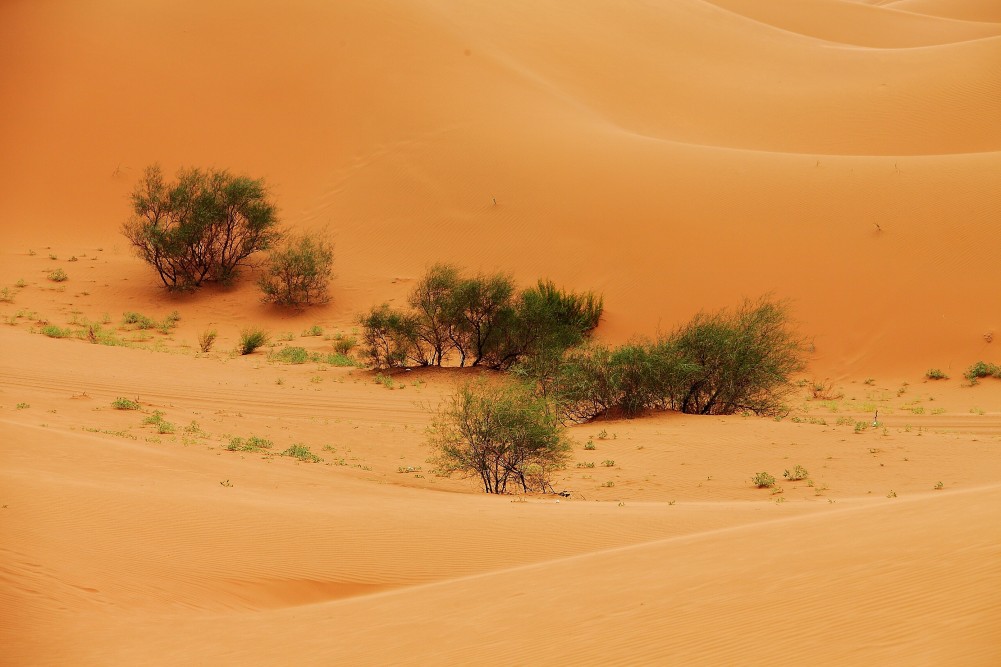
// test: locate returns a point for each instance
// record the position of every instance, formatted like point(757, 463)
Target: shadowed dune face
point(672, 155)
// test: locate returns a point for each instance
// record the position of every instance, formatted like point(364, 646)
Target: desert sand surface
point(674, 156)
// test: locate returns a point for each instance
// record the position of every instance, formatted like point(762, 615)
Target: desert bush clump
point(344, 344)
point(482, 320)
point(301, 452)
point(981, 369)
point(58, 276)
point(52, 331)
point(250, 444)
point(763, 480)
point(122, 403)
point(298, 273)
point(796, 474)
point(936, 374)
point(6, 296)
point(251, 339)
point(206, 339)
point(201, 227)
point(500, 433)
point(291, 355)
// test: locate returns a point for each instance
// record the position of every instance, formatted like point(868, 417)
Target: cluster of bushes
point(205, 225)
point(480, 320)
point(717, 363)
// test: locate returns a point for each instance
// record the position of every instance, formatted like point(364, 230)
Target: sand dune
point(674, 156)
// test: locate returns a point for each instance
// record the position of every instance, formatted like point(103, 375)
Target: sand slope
point(673, 156)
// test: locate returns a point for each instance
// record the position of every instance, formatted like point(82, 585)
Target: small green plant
point(603, 434)
point(73, 259)
point(860, 427)
point(763, 480)
point(122, 403)
point(23, 406)
point(609, 484)
point(935, 374)
point(291, 355)
point(796, 474)
point(52, 256)
point(939, 486)
point(58, 276)
point(52, 331)
point(408, 469)
point(385, 380)
point(315, 330)
point(301, 452)
point(226, 483)
point(608, 463)
point(206, 339)
point(251, 339)
point(162, 425)
point(589, 445)
point(251, 444)
point(20, 284)
point(6, 296)
point(585, 464)
point(891, 494)
point(337, 359)
point(136, 320)
point(869, 381)
point(981, 369)
point(344, 344)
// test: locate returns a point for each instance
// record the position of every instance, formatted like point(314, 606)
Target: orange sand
point(673, 156)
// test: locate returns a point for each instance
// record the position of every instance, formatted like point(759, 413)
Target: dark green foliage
point(389, 336)
point(201, 227)
point(251, 339)
point(500, 433)
point(482, 320)
point(982, 369)
point(718, 363)
point(297, 274)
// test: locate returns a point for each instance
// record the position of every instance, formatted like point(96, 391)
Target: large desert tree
point(202, 226)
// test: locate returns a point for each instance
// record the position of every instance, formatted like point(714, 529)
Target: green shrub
point(499, 434)
point(206, 339)
point(58, 276)
point(122, 403)
point(796, 474)
point(298, 273)
point(52, 331)
point(201, 227)
point(981, 369)
point(6, 296)
point(138, 320)
point(763, 480)
point(315, 330)
point(389, 336)
point(251, 444)
point(251, 339)
point(344, 344)
point(291, 355)
point(301, 452)
point(936, 374)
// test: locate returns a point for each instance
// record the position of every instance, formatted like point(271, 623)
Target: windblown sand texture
point(673, 155)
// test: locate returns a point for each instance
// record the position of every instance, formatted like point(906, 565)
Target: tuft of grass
point(385, 380)
point(137, 320)
point(763, 480)
point(52, 331)
point(585, 464)
point(602, 434)
point(206, 339)
point(796, 474)
point(6, 296)
point(608, 463)
point(344, 344)
point(301, 452)
point(315, 330)
point(589, 445)
point(935, 374)
point(860, 427)
point(939, 486)
point(162, 425)
point(58, 276)
point(336, 359)
point(122, 403)
point(251, 444)
point(251, 339)
point(290, 355)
